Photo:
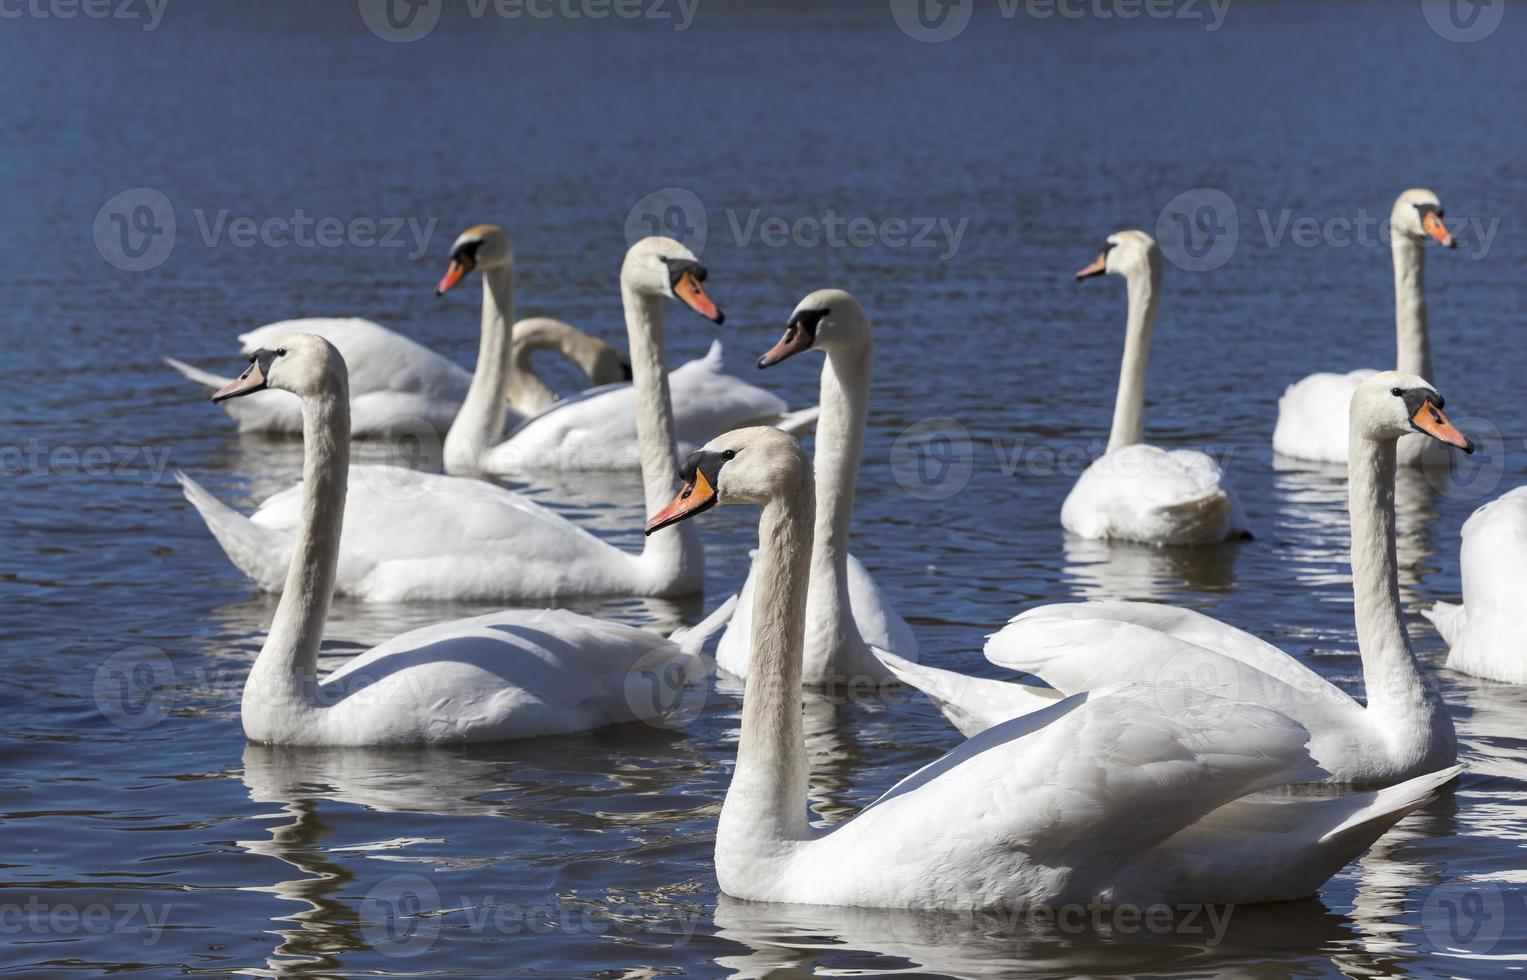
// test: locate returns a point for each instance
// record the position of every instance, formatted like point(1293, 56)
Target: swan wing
point(1312, 416)
point(707, 401)
point(1053, 805)
point(1144, 493)
point(510, 674)
point(1005, 647)
point(413, 535)
point(972, 704)
point(1487, 636)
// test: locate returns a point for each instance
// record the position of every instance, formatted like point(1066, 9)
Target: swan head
point(1417, 215)
point(744, 466)
point(828, 320)
point(1128, 254)
point(479, 247)
point(302, 363)
point(1390, 405)
point(659, 266)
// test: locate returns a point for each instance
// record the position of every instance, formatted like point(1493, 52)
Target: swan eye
point(729, 454)
point(1397, 392)
point(280, 351)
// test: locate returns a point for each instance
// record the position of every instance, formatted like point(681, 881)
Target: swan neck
point(527, 392)
point(1390, 673)
point(1413, 345)
point(839, 447)
point(678, 546)
point(1128, 411)
point(286, 671)
point(480, 422)
point(766, 802)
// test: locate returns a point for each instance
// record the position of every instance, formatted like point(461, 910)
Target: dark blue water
point(157, 841)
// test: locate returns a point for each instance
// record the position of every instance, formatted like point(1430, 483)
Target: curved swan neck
point(480, 422)
point(839, 446)
point(766, 802)
point(1411, 340)
point(527, 392)
point(1129, 407)
point(286, 671)
point(1391, 675)
point(677, 546)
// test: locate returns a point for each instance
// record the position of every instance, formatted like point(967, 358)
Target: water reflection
point(1121, 570)
point(800, 939)
point(1312, 517)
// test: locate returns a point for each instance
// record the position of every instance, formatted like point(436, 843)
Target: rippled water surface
point(157, 840)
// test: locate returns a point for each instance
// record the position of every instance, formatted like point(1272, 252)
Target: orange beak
point(453, 275)
point(1434, 227)
point(1095, 269)
point(694, 498)
point(1429, 419)
point(253, 379)
point(689, 290)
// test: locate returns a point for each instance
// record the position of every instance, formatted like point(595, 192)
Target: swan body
point(1111, 795)
point(1404, 731)
point(513, 674)
point(416, 536)
point(1487, 634)
point(1137, 492)
point(1312, 412)
point(596, 431)
point(846, 613)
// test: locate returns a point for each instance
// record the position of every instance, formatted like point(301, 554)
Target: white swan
point(846, 613)
point(512, 674)
point(1109, 795)
point(422, 536)
point(1312, 412)
point(1487, 634)
point(1136, 492)
point(399, 386)
point(1404, 730)
point(597, 430)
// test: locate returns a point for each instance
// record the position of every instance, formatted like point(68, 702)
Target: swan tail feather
point(1375, 812)
point(1450, 620)
point(799, 422)
point(692, 639)
point(972, 704)
point(204, 378)
point(258, 552)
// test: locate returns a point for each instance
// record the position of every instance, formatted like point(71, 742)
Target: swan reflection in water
point(1106, 570)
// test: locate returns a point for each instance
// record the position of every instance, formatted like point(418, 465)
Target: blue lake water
point(160, 842)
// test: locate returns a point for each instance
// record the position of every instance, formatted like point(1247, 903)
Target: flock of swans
point(1092, 780)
